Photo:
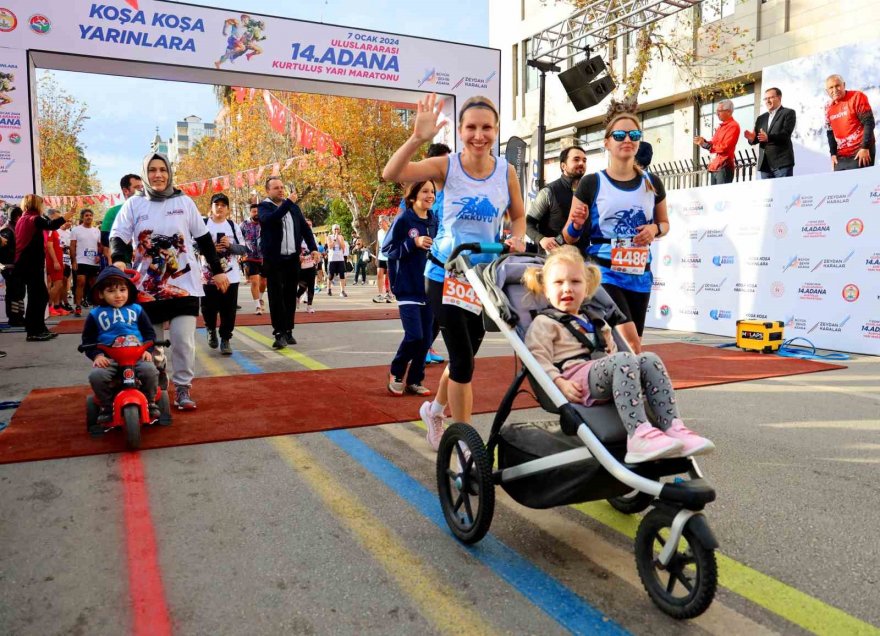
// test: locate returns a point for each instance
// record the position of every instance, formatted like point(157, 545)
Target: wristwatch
point(560, 240)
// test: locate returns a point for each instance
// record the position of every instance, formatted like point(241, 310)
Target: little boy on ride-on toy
point(117, 320)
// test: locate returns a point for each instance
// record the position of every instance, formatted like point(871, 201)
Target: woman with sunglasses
point(623, 210)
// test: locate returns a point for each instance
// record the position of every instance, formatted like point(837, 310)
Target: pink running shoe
point(436, 425)
point(693, 443)
point(649, 443)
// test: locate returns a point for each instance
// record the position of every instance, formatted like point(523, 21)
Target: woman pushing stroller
point(578, 352)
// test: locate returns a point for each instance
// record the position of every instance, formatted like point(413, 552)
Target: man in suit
point(283, 229)
point(772, 133)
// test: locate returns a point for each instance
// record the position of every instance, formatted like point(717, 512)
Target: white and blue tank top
point(471, 211)
point(616, 213)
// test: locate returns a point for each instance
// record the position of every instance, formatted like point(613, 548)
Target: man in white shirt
point(85, 258)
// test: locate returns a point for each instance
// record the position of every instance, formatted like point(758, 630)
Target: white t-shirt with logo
point(87, 239)
point(227, 260)
point(64, 239)
point(338, 249)
point(162, 234)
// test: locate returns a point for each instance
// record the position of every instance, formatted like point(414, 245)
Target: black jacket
point(549, 211)
point(776, 152)
point(272, 229)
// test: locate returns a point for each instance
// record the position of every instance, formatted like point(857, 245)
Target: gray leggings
point(628, 378)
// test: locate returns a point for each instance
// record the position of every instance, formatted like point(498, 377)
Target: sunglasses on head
point(620, 135)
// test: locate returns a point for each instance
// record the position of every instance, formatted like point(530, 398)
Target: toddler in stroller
point(545, 464)
point(575, 347)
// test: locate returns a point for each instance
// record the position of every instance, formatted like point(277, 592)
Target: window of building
point(515, 79)
point(592, 140)
point(530, 73)
point(658, 129)
point(712, 10)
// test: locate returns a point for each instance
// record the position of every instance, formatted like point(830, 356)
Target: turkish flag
point(337, 149)
point(307, 134)
point(239, 180)
point(133, 4)
point(240, 92)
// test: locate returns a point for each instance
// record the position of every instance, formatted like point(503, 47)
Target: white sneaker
point(436, 425)
point(310, 310)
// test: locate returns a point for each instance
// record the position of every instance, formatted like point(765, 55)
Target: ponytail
point(533, 280)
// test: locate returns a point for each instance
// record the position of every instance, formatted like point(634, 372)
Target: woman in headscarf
point(165, 223)
point(30, 263)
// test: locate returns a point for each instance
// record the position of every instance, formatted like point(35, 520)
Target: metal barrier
point(678, 175)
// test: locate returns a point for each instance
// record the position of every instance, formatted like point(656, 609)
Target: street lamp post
point(542, 67)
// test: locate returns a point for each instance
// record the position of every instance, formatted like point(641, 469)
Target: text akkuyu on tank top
point(472, 211)
point(615, 214)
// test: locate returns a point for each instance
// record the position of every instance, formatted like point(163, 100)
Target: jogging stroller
point(580, 459)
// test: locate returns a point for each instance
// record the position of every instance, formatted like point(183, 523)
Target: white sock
point(437, 408)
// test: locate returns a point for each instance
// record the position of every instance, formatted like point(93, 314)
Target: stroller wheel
point(684, 588)
point(464, 483)
point(631, 503)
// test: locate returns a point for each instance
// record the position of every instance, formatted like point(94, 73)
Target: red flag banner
point(307, 134)
point(240, 93)
point(239, 180)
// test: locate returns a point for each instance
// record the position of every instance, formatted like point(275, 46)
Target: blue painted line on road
point(554, 598)
point(248, 366)
point(541, 589)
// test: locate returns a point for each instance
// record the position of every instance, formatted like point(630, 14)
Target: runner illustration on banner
point(6, 86)
point(241, 38)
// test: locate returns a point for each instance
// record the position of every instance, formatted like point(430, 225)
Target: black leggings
point(462, 331)
point(632, 303)
point(306, 286)
point(216, 303)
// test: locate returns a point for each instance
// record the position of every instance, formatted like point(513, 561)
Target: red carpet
point(75, 325)
point(50, 423)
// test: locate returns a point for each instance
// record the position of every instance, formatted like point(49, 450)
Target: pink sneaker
point(693, 443)
point(436, 425)
point(649, 443)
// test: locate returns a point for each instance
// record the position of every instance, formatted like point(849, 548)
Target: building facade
point(187, 134)
point(774, 32)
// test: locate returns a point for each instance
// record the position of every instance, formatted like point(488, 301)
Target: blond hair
point(534, 277)
point(610, 128)
point(32, 203)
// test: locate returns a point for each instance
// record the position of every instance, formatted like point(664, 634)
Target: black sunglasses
point(620, 135)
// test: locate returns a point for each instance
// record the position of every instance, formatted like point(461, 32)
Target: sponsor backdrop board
point(804, 250)
point(16, 162)
point(167, 33)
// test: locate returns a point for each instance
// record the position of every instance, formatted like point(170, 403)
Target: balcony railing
point(678, 175)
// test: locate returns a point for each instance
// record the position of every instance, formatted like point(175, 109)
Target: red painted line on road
point(149, 610)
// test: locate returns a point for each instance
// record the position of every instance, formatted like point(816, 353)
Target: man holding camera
point(283, 229)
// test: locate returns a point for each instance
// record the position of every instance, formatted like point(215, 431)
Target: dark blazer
point(272, 229)
point(776, 152)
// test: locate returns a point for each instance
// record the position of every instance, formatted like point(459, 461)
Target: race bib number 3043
point(629, 259)
point(459, 292)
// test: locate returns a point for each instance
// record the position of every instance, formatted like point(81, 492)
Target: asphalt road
point(338, 533)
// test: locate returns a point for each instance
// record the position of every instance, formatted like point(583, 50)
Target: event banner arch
point(159, 39)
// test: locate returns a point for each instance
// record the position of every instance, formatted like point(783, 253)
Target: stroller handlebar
point(476, 248)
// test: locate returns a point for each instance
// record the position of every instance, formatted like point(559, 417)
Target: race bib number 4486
point(629, 259)
point(459, 292)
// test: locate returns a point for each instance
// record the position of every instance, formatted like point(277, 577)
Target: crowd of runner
point(183, 264)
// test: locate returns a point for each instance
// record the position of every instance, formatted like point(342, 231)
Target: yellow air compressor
point(759, 335)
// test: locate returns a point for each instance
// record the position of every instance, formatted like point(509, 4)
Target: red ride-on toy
point(130, 410)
